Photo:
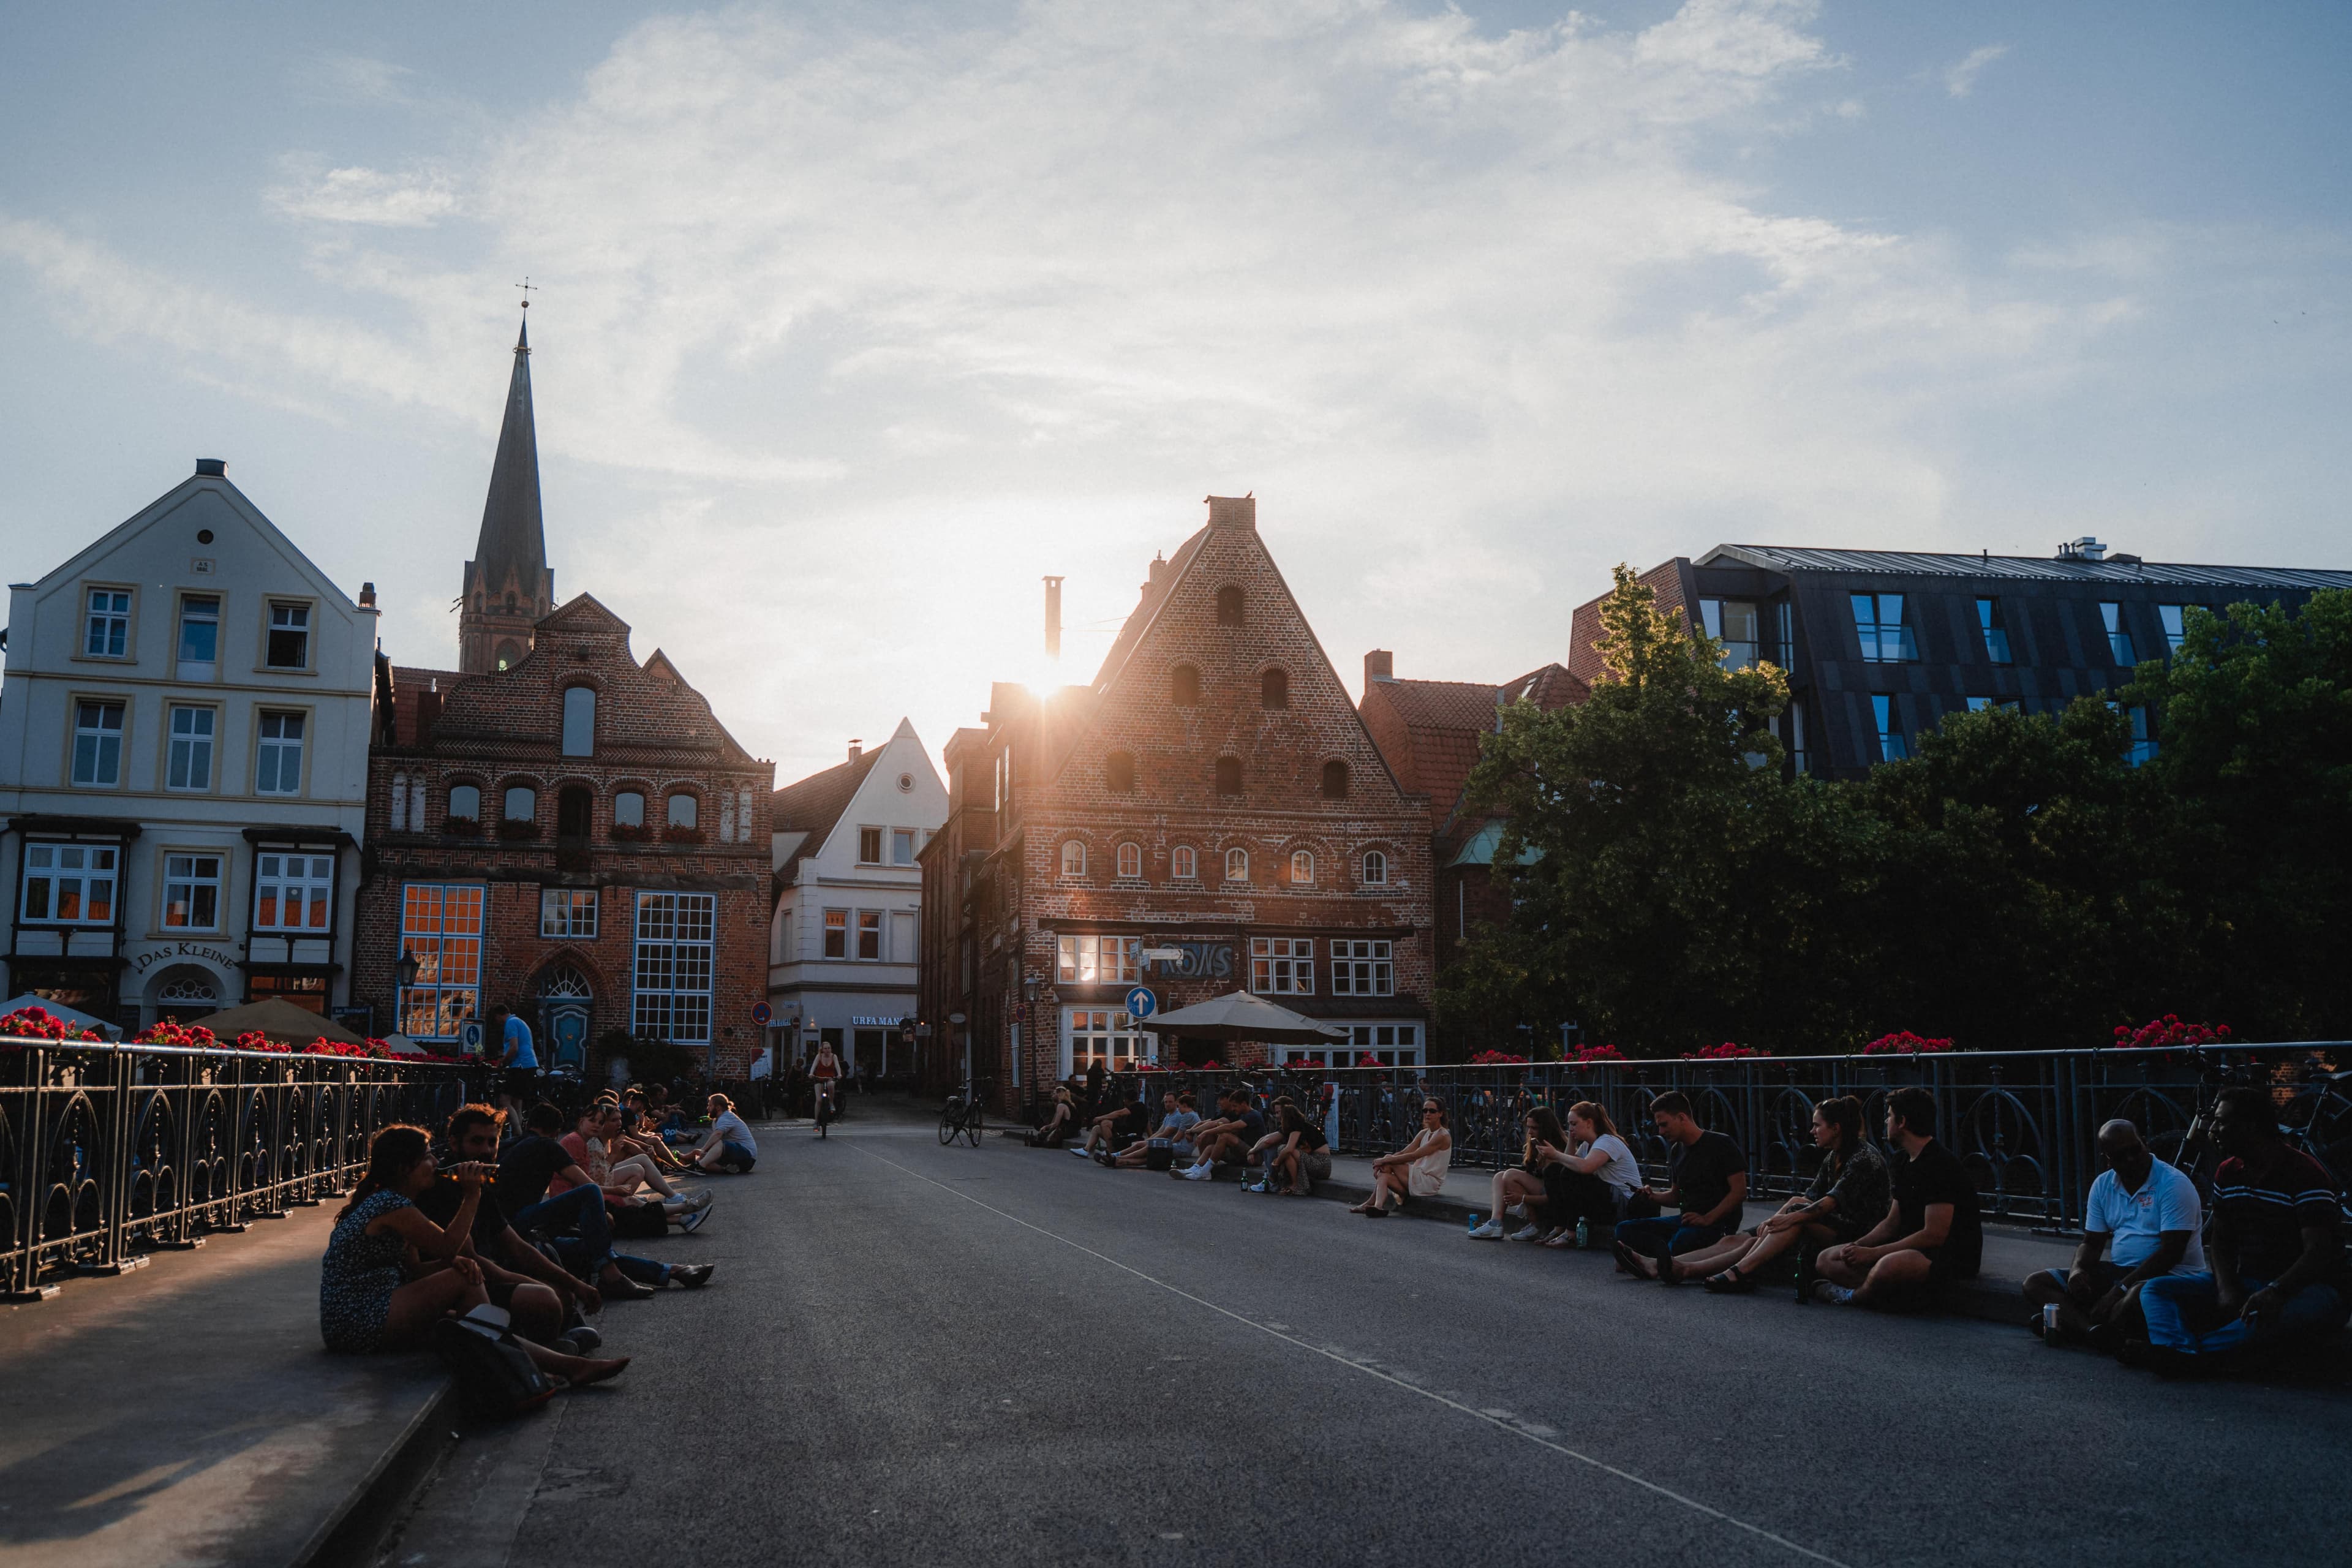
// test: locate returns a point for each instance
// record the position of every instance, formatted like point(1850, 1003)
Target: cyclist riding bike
point(827, 1073)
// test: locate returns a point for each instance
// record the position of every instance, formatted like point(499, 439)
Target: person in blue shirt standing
point(517, 1057)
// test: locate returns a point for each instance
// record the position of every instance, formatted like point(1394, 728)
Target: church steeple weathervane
point(507, 585)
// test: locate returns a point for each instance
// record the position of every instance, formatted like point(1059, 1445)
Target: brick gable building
point(1213, 795)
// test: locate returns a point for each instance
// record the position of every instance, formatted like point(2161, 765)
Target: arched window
point(510, 653)
point(1130, 860)
point(1184, 686)
point(1376, 868)
point(1182, 866)
point(573, 806)
point(684, 809)
point(1335, 781)
point(1229, 606)
point(465, 803)
point(1074, 858)
point(1273, 689)
point(1302, 868)
point(629, 809)
point(1119, 772)
point(1229, 776)
point(1236, 864)
point(521, 803)
point(579, 721)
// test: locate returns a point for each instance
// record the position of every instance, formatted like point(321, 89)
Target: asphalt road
point(912, 1354)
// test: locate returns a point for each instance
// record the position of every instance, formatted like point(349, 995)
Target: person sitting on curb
point(639, 1135)
point(1060, 1122)
point(590, 1145)
point(1417, 1170)
point(1847, 1196)
point(1596, 1183)
point(575, 1222)
point(1931, 1238)
point(2141, 1222)
point(364, 1303)
point(728, 1146)
point(1708, 1183)
point(1112, 1131)
point(1174, 1135)
point(1228, 1138)
point(2275, 1251)
point(540, 1297)
point(1520, 1190)
point(1296, 1154)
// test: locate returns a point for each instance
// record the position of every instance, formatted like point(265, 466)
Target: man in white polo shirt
point(2144, 1217)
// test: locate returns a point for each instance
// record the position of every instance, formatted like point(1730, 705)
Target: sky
point(852, 321)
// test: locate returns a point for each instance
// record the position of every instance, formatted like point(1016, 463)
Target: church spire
point(508, 586)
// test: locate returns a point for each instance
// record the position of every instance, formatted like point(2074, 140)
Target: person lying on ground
point(1227, 1138)
point(1299, 1155)
point(1179, 1116)
point(1847, 1196)
point(1520, 1190)
point(2275, 1253)
point(1061, 1120)
point(2140, 1223)
point(1417, 1170)
point(590, 1145)
point(364, 1302)
point(728, 1146)
point(1595, 1183)
point(1931, 1238)
point(1709, 1183)
point(575, 1222)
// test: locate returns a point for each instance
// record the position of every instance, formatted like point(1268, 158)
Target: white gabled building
point(183, 743)
point(849, 899)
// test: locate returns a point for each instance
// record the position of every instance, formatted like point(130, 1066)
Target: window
point(1074, 858)
point(1236, 864)
point(1283, 965)
point(108, 627)
point(442, 927)
point(567, 912)
point(1995, 628)
point(1390, 1045)
point(1797, 737)
point(579, 721)
point(70, 884)
point(1302, 868)
point(681, 808)
point(836, 933)
point(278, 766)
point(1182, 865)
point(521, 803)
point(1890, 730)
point(2175, 619)
point(1362, 969)
point(1335, 781)
point(629, 809)
point(97, 743)
point(289, 636)
point(1184, 686)
point(1103, 1035)
point(674, 941)
point(2143, 744)
point(199, 630)
point(1131, 860)
point(1376, 868)
point(189, 763)
point(869, 846)
point(870, 933)
point(1100, 960)
point(2119, 642)
point(1886, 637)
point(575, 805)
point(293, 892)
point(902, 847)
point(1119, 772)
point(1274, 689)
point(1979, 704)
point(465, 803)
point(192, 885)
point(1788, 643)
point(1734, 623)
point(1229, 776)
point(1229, 606)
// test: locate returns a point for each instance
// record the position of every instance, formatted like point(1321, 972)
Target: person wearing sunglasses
point(1417, 1170)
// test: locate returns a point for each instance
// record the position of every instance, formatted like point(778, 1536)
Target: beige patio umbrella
point(1242, 1016)
point(279, 1020)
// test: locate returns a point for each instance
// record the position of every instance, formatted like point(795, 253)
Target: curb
point(358, 1525)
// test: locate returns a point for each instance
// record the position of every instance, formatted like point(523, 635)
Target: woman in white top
point(1417, 1170)
point(1596, 1183)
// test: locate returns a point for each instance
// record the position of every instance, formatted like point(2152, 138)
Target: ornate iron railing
point(2024, 1122)
point(110, 1151)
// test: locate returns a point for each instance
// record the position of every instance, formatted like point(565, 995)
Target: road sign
point(1142, 1003)
point(761, 1013)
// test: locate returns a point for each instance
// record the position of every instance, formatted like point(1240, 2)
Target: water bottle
point(1583, 1233)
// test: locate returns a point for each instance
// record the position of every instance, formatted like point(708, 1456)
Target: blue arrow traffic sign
point(1142, 1003)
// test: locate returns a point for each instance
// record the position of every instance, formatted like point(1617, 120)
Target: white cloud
point(368, 196)
point(1961, 80)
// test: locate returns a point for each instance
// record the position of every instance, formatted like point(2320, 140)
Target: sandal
point(1630, 1262)
point(1730, 1283)
point(1563, 1238)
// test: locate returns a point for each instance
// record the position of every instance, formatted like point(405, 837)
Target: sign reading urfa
point(143, 959)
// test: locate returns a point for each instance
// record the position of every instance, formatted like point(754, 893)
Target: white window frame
point(53, 865)
point(1237, 857)
point(869, 934)
point(190, 748)
point(192, 618)
point(271, 752)
point(446, 993)
point(1184, 864)
point(1376, 868)
point(1090, 958)
point(1362, 966)
point(1131, 861)
point(1302, 859)
point(1103, 1034)
point(1397, 1045)
point(1074, 857)
point(902, 839)
point(108, 624)
point(834, 920)
point(309, 876)
point(193, 875)
point(289, 615)
point(873, 838)
point(89, 723)
point(567, 914)
point(677, 950)
point(1282, 966)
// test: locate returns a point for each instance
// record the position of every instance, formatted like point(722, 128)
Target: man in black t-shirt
point(1932, 1234)
point(517, 1275)
point(1226, 1138)
point(1709, 1185)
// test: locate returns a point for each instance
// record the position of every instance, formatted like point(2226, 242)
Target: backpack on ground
point(496, 1377)
point(638, 1222)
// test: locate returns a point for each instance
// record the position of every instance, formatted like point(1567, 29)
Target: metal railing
point(2024, 1122)
point(110, 1151)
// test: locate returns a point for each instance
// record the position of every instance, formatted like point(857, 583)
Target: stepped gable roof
point(513, 543)
point(813, 806)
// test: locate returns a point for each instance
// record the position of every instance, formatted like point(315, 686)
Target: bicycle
point(2312, 1121)
point(966, 1113)
point(828, 1104)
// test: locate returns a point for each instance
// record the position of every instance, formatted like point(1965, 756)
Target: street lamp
point(408, 967)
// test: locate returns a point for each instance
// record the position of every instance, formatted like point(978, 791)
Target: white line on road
point(1473, 1413)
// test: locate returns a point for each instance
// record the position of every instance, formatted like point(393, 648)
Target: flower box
point(681, 836)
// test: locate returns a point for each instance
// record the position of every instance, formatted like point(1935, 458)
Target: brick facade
point(1257, 750)
point(653, 735)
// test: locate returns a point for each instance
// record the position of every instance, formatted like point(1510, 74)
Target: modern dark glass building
point(1881, 644)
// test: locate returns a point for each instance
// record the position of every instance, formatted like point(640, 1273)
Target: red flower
point(1727, 1052)
point(1603, 1053)
point(1905, 1043)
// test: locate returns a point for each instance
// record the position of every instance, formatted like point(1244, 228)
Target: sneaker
point(690, 1276)
point(1200, 1172)
point(690, 1223)
point(701, 1200)
point(580, 1341)
point(1830, 1295)
point(1530, 1233)
point(1081, 1153)
point(1491, 1231)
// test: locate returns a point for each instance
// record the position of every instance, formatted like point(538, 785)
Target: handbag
point(495, 1376)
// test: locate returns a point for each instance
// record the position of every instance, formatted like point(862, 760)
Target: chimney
point(1379, 665)
point(1156, 580)
point(212, 467)
point(2083, 548)
point(1233, 511)
point(1053, 617)
point(367, 595)
point(857, 750)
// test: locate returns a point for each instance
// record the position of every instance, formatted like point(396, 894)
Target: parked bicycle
point(966, 1113)
point(2315, 1118)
